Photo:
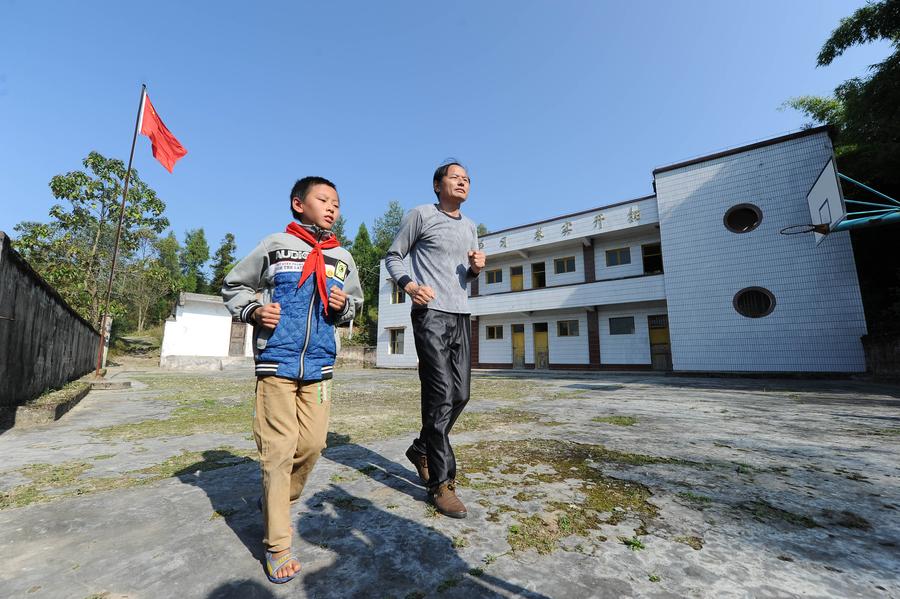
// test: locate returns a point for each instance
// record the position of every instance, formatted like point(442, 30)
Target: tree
point(74, 250)
point(193, 257)
point(145, 280)
point(367, 264)
point(224, 260)
point(386, 227)
point(863, 112)
point(482, 229)
point(338, 230)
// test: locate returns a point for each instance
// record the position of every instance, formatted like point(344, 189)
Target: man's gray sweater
point(439, 246)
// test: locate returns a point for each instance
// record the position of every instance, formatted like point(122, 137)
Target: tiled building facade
point(693, 278)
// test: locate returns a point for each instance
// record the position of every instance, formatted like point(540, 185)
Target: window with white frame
point(493, 332)
point(618, 256)
point(396, 346)
point(622, 325)
point(564, 265)
point(494, 276)
point(397, 294)
point(567, 328)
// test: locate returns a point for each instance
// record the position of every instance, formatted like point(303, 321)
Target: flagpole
point(112, 269)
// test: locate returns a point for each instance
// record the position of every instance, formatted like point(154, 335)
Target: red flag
point(166, 148)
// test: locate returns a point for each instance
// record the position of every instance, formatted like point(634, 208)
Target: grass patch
point(765, 512)
point(55, 481)
point(695, 498)
point(532, 462)
point(460, 542)
point(616, 420)
point(695, 543)
point(205, 405)
point(60, 396)
point(633, 543)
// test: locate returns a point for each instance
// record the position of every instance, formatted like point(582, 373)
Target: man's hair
point(441, 172)
point(302, 187)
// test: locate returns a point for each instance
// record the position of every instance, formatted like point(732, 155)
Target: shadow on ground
point(368, 551)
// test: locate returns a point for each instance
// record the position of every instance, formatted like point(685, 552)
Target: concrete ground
point(614, 485)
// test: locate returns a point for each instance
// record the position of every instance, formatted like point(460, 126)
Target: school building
point(694, 278)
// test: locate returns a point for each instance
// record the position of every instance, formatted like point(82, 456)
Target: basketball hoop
point(810, 228)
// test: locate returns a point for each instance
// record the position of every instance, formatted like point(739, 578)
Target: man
point(443, 247)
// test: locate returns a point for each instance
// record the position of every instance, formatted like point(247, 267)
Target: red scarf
point(315, 261)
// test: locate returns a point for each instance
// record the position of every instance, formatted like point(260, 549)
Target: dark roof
point(746, 148)
point(579, 213)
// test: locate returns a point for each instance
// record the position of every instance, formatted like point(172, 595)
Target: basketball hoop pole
point(885, 214)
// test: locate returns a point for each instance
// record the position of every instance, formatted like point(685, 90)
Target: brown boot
point(419, 461)
point(445, 500)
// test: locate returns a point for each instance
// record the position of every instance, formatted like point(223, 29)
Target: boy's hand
point(268, 316)
point(337, 299)
point(420, 294)
point(476, 260)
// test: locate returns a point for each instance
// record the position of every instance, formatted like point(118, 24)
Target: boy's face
point(455, 185)
point(320, 207)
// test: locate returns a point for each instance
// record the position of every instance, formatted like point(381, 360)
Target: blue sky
point(555, 106)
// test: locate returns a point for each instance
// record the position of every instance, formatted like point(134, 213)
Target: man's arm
point(410, 229)
point(477, 258)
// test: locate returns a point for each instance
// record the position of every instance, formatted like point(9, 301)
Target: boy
point(443, 246)
point(309, 284)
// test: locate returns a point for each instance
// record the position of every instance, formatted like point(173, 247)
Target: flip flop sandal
point(273, 564)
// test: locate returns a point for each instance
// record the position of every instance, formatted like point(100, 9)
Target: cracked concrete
point(789, 488)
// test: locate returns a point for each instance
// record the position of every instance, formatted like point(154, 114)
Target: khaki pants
point(290, 425)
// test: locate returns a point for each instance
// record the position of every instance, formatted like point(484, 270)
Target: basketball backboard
point(826, 200)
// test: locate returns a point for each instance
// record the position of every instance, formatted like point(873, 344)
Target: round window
point(754, 302)
point(743, 218)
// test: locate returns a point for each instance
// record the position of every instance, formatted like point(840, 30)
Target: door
point(236, 343)
point(541, 346)
point(518, 345)
point(660, 347)
point(515, 278)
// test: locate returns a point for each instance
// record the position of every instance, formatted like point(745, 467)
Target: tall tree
point(386, 227)
point(193, 257)
point(224, 260)
point(338, 229)
point(146, 280)
point(367, 264)
point(74, 250)
point(482, 229)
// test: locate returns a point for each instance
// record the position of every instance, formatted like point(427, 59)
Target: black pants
point(442, 344)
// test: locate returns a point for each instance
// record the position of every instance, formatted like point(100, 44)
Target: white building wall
point(627, 349)
point(568, 350)
point(636, 267)
point(563, 350)
point(818, 318)
point(199, 329)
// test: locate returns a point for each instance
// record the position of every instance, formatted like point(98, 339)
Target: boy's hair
point(302, 187)
point(441, 172)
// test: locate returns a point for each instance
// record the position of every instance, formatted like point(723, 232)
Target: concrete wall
point(818, 318)
point(44, 343)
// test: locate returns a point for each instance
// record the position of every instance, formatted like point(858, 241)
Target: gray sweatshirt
point(438, 246)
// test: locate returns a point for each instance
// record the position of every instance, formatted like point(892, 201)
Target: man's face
point(455, 185)
point(320, 207)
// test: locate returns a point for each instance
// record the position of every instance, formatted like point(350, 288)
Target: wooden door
point(660, 346)
point(541, 346)
point(236, 344)
point(518, 345)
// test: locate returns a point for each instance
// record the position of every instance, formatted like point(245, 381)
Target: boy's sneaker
point(419, 461)
point(444, 499)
